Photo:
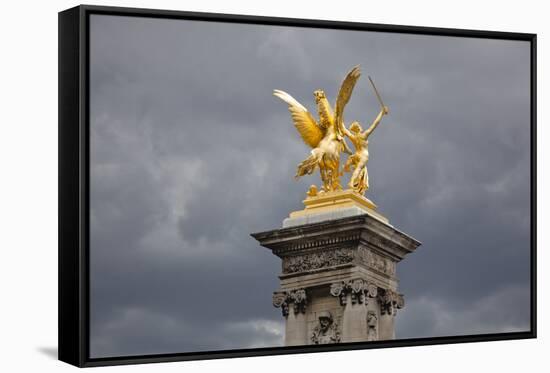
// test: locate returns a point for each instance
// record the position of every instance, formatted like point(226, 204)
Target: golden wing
point(304, 122)
point(346, 89)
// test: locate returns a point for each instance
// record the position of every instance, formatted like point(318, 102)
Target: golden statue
point(359, 181)
point(326, 137)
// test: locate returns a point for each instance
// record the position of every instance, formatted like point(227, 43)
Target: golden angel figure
point(326, 137)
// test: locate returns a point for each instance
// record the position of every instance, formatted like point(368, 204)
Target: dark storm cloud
point(191, 153)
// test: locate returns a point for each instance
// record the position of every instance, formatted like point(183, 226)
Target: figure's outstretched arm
point(344, 130)
point(385, 110)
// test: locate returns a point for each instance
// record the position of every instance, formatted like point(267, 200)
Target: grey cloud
point(190, 153)
point(499, 312)
point(141, 331)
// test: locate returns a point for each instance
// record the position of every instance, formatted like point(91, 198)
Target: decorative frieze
point(375, 261)
point(390, 301)
point(338, 256)
point(317, 260)
point(359, 289)
point(298, 297)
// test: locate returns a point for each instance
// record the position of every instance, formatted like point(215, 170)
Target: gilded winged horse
point(326, 136)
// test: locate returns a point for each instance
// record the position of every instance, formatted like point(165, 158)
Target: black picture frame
point(73, 250)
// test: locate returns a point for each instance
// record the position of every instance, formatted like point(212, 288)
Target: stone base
point(338, 281)
point(333, 205)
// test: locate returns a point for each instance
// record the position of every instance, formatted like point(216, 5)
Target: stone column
point(354, 297)
point(354, 322)
point(346, 267)
point(389, 302)
point(386, 327)
point(293, 305)
point(296, 329)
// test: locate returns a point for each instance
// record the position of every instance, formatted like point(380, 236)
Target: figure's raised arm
point(344, 130)
point(385, 110)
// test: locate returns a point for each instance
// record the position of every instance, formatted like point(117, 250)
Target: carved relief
point(297, 297)
point(317, 260)
point(326, 331)
point(372, 290)
point(390, 302)
point(300, 300)
point(280, 300)
point(337, 290)
point(372, 326)
point(334, 257)
point(376, 261)
point(359, 290)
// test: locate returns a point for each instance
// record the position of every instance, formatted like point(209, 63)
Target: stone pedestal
point(338, 281)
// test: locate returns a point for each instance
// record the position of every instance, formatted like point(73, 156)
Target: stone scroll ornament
point(390, 302)
point(298, 297)
point(359, 289)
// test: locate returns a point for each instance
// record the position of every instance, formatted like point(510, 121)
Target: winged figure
point(325, 136)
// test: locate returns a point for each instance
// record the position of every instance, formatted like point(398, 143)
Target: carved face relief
point(279, 298)
point(324, 323)
point(371, 318)
point(326, 331)
point(372, 325)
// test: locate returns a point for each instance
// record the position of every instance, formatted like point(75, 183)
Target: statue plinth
point(338, 280)
point(333, 205)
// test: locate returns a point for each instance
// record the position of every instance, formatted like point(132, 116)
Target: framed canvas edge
point(72, 273)
point(73, 192)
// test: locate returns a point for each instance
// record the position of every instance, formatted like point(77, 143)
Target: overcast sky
point(190, 153)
